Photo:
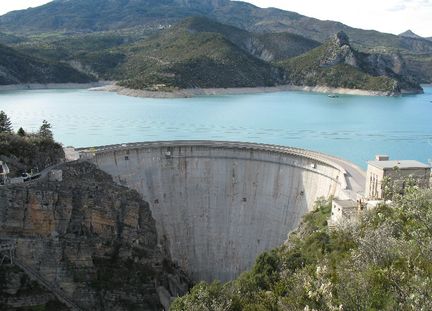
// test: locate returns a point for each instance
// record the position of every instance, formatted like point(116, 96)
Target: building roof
point(345, 203)
point(402, 164)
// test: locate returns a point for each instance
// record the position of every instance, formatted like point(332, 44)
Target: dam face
point(217, 206)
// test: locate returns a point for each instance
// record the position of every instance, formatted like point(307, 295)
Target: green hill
point(17, 68)
point(336, 64)
point(383, 262)
point(181, 58)
point(268, 46)
point(103, 53)
point(9, 39)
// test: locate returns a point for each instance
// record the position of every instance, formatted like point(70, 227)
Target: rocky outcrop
point(338, 51)
point(94, 240)
point(410, 34)
point(337, 64)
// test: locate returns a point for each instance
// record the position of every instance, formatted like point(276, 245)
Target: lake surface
point(353, 127)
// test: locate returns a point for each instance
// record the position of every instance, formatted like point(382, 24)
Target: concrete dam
point(218, 205)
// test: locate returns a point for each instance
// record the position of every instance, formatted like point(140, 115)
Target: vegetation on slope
point(181, 58)
point(420, 66)
point(268, 47)
point(119, 55)
point(26, 151)
point(97, 15)
point(337, 64)
point(96, 54)
point(199, 52)
point(63, 16)
point(16, 68)
point(384, 262)
point(9, 38)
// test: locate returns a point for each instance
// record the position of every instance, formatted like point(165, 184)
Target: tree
point(21, 132)
point(45, 130)
point(5, 123)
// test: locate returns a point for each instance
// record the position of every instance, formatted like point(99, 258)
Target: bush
point(382, 263)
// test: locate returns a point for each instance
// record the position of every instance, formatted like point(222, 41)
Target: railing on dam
point(348, 170)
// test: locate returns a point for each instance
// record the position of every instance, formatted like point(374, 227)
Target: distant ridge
point(98, 15)
point(410, 34)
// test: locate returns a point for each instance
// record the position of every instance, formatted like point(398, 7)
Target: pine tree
point(21, 132)
point(5, 123)
point(45, 130)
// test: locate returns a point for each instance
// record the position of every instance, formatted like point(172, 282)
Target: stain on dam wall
point(219, 205)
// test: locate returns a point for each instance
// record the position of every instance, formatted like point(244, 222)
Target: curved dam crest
point(218, 205)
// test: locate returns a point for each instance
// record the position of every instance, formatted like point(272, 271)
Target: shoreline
point(188, 93)
point(110, 86)
point(51, 86)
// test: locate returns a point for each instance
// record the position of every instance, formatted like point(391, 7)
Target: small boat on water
point(333, 96)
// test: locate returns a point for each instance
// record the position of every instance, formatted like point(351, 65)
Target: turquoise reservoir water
point(353, 127)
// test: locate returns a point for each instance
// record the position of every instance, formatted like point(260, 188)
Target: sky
point(393, 16)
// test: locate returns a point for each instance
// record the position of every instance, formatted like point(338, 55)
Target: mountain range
point(210, 43)
point(100, 15)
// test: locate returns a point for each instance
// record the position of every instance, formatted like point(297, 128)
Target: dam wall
point(218, 205)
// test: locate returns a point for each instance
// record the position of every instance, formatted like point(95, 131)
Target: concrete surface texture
point(218, 205)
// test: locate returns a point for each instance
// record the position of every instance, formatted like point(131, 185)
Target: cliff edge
point(91, 239)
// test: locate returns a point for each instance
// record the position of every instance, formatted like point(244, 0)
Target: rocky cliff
point(91, 239)
point(337, 64)
point(18, 291)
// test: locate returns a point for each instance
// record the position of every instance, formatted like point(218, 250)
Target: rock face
point(337, 64)
point(17, 291)
point(268, 47)
point(338, 51)
point(94, 240)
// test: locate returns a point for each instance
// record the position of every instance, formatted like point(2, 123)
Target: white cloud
point(393, 16)
point(10, 5)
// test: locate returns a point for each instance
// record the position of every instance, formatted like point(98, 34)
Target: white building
point(397, 171)
point(344, 211)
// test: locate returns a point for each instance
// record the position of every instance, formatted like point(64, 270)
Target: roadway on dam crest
point(218, 205)
point(354, 175)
